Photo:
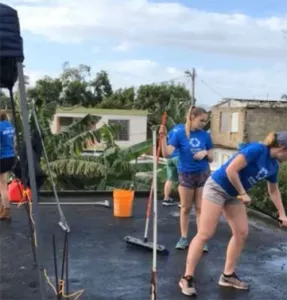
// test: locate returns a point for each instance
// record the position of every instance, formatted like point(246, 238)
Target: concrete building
point(235, 121)
point(133, 123)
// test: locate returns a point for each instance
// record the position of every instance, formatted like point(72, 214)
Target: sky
point(238, 47)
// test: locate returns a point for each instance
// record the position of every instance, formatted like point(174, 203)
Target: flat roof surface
point(103, 265)
point(101, 111)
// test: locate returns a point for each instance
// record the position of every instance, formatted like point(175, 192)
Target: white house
point(133, 123)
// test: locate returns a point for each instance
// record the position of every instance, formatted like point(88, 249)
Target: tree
point(120, 99)
point(45, 91)
point(284, 97)
point(261, 198)
point(112, 169)
point(73, 87)
point(5, 102)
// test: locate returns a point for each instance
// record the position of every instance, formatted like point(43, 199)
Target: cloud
point(211, 84)
point(143, 22)
point(123, 47)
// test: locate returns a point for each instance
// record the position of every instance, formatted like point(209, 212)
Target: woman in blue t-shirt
point(194, 148)
point(7, 160)
point(227, 190)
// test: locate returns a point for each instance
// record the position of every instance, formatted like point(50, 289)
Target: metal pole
point(192, 76)
point(64, 225)
point(31, 168)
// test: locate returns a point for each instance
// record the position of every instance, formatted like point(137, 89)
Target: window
point(122, 128)
point(224, 122)
point(66, 121)
point(215, 156)
point(234, 122)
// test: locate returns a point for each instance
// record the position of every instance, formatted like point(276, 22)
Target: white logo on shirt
point(194, 142)
point(263, 173)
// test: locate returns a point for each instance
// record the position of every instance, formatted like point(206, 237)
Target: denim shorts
point(215, 193)
point(193, 180)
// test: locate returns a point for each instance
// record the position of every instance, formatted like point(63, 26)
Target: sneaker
point(233, 281)
point(205, 249)
point(187, 286)
point(182, 243)
point(168, 202)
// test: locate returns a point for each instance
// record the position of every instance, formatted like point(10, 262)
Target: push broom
point(153, 292)
point(144, 243)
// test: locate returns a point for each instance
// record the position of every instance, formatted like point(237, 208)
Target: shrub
point(260, 197)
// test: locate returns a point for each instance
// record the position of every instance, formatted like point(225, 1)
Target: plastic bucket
point(123, 203)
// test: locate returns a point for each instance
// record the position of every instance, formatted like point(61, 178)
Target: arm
point(208, 153)
point(209, 149)
point(275, 195)
point(210, 156)
point(233, 170)
point(167, 150)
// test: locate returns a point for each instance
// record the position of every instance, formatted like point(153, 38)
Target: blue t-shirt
point(7, 132)
point(260, 166)
point(199, 140)
point(169, 135)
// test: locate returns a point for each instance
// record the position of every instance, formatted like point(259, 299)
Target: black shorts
point(6, 164)
point(193, 180)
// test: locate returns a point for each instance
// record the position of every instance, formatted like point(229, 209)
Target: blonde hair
point(3, 115)
point(271, 141)
point(192, 112)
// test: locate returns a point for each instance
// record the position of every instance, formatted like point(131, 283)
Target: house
point(132, 129)
point(235, 121)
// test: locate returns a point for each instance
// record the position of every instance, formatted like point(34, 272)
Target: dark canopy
point(11, 46)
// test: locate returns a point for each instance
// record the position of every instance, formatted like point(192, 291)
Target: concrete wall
point(138, 126)
point(261, 121)
point(227, 138)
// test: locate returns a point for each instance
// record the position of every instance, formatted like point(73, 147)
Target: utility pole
point(192, 76)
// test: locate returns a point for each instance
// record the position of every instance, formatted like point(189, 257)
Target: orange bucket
point(123, 203)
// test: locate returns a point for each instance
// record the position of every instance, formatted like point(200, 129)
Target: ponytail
point(188, 122)
point(3, 115)
point(270, 140)
point(192, 112)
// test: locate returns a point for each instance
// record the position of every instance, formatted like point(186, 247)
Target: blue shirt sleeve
point(209, 143)
point(273, 178)
point(173, 139)
point(251, 152)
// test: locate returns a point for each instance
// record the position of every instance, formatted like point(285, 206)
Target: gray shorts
point(215, 193)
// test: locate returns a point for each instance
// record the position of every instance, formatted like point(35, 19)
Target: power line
point(211, 88)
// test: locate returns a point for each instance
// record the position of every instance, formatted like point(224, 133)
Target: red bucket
point(16, 192)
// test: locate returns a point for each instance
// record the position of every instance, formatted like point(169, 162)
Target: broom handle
point(153, 278)
point(148, 211)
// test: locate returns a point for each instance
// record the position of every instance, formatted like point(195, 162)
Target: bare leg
point(186, 200)
point(237, 219)
point(167, 189)
point(210, 213)
point(4, 190)
point(198, 201)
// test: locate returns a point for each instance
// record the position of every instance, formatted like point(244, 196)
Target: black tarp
point(11, 46)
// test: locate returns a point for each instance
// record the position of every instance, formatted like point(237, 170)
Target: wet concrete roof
point(101, 263)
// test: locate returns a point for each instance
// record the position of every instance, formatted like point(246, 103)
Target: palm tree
point(113, 168)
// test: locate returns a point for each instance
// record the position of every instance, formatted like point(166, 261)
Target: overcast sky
point(238, 47)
